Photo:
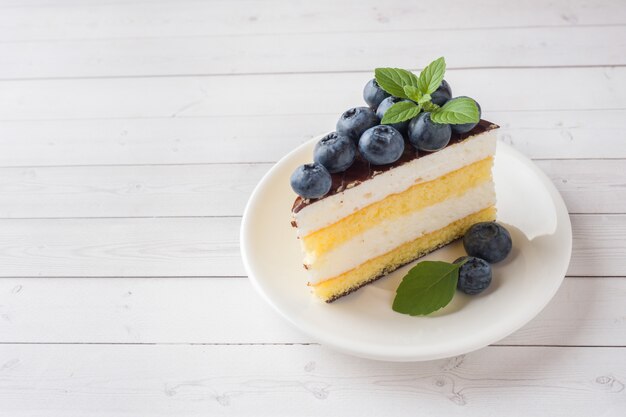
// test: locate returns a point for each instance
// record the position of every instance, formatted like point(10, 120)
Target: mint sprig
point(404, 84)
point(428, 287)
point(393, 80)
point(403, 110)
point(459, 110)
point(431, 77)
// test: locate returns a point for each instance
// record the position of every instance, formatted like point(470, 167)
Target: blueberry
point(381, 145)
point(311, 180)
point(355, 121)
point(474, 275)
point(442, 94)
point(336, 152)
point(466, 127)
point(373, 94)
point(384, 106)
point(426, 135)
point(489, 241)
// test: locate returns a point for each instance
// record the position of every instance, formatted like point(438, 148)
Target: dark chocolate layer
point(361, 170)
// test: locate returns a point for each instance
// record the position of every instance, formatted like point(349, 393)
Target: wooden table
point(132, 134)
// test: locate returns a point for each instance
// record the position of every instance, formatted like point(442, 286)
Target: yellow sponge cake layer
point(374, 268)
point(415, 198)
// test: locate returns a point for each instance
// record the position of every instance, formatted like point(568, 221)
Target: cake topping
point(373, 94)
point(381, 145)
point(396, 98)
point(426, 135)
point(335, 151)
point(354, 122)
point(311, 180)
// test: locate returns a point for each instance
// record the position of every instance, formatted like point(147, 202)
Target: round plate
point(363, 323)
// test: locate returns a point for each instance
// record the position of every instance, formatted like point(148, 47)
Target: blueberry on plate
point(489, 241)
point(426, 135)
point(442, 94)
point(335, 151)
point(474, 275)
point(373, 94)
point(381, 145)
point(311, 181)
point(355, 121)
point(384, 106)
point(466, 127)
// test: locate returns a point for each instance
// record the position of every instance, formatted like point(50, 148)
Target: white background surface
point(132, 133)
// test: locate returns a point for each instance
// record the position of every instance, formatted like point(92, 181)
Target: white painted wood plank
point(87, 380)
point(105, 19)
point(209, 247)
point(585, 311)
point(183, 140)
point(588, 186)
point(597, 239)
point(291, 94)
point(539, 47)
point(121, 247)
point(128, 191)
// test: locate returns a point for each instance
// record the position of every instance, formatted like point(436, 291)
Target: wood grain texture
point(588, 186)
point(128, 191)
point(326, 52)
point(197, 140)
point(585, 311)
point(143, 247)
point(296, 94)
point(69, 20)
point(306, 380)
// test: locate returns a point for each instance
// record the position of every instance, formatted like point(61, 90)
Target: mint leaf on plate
point(400, 112)
point(393, 80)
point(431, 77)
point(428, 287)
point(456, 111)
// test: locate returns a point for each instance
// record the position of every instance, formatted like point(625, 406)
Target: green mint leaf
point(424, 99)
point(429, 286)
point(393, 80)
point(400, 112)
point(412, 93)
point(456, 111)
point(431, 77)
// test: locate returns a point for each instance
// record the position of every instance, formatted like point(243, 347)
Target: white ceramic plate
point(363, 323)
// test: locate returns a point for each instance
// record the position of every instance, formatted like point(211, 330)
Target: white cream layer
point(333, 208)
point(392, 233)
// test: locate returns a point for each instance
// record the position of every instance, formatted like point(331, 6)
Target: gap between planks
point(321, 72)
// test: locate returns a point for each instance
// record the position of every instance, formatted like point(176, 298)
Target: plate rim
point(406, 355)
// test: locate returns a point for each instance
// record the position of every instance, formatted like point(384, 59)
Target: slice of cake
point(382, 195)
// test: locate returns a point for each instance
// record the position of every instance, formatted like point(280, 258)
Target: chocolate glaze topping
point(361, 170)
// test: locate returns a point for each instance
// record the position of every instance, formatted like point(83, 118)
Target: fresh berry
point(373, 94)
point(355, 121)
point(381, 145)
point(466, 127)
point(442, 94)
point(336, 152)
point(384, 106)
point(489, 241)
point(311, 181)
point(474, 275)
point(426, 135)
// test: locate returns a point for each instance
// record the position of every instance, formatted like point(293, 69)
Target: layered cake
point(379, 196)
